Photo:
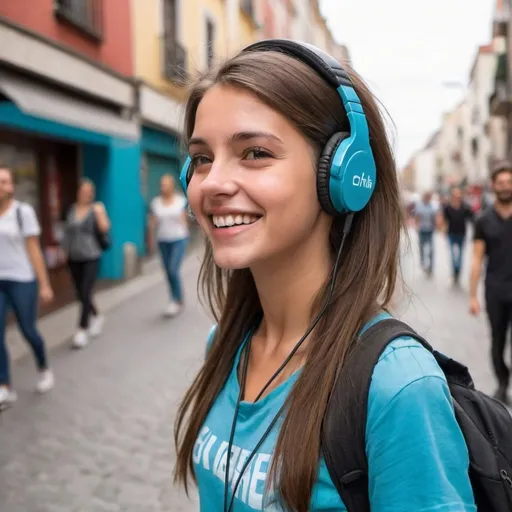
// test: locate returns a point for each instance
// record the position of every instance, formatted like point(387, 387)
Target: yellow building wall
point(148, 38)
point(195, 15)
point(248, 32)
point(148, 46)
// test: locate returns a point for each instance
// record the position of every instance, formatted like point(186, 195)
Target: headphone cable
point(346, 229)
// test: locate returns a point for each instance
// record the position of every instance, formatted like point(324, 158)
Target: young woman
point(169, 220)
point(257, 185)
point(23, 279)
point(85, 221)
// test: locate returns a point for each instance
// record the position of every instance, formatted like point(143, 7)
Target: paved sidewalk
point(102, 440)
point(58, 327)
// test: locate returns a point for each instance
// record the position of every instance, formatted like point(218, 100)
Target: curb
point(57, 328)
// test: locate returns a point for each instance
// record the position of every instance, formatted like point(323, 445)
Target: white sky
point(406, 49)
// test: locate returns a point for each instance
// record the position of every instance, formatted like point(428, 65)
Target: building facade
point(501, 98)
point(480, 90)
point(451, 163)
point(173, 41)
point(426, 167)
point(67, 110)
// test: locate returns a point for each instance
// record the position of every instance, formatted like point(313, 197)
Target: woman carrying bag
point(86, 236)
point(23, 279)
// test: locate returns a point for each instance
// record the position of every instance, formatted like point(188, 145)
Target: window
point(169, 16)
point(87, 15)
point(210, 41)
point(474, 147)
point(175, 55)
point(248, 7)
point(475, 116)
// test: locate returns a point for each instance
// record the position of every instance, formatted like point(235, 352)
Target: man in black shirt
point(493, 240)
point(456, 214)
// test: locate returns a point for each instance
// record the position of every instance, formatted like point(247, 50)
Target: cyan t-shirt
point(418, 460)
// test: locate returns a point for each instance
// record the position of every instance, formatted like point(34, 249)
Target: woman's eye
point(198, 160)
point(256, 154)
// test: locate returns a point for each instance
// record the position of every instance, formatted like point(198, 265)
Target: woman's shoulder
point(25, 208)
point(407, 382)
point(156, 201)
point(182, 200)
point(27, 212)
point(404, 363)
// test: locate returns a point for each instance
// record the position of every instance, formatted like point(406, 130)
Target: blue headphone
point(347, 174)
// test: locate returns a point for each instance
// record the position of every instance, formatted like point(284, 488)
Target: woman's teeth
point(226, 221)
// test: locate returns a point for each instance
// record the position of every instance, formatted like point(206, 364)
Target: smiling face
point(253, 188)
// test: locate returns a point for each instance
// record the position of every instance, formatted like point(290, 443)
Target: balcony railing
point(175, 62)
point(87, 15)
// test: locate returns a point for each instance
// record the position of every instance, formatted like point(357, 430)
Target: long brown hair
point(364, 283)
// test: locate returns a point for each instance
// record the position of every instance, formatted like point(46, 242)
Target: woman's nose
point(220, 180)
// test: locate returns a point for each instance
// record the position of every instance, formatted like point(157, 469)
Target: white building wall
point(425, 170)
point(481, 88)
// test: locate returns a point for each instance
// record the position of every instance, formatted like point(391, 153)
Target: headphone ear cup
point(323, 174)
point(185, 174)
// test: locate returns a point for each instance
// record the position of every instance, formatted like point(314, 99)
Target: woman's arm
point(101, 217)
point(37, 260)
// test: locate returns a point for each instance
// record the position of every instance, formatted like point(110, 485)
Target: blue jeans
point(456, 248)
point(426, 244)
point(22, 297)
point(172, 254)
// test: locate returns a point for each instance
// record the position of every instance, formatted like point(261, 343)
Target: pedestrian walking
point(455, 217)
point(301, 207)
point(85, 237)
point(170, 227)
point(425, 216)
point(23, 279)
point(493, 243)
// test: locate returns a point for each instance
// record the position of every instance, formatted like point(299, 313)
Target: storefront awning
point(42, 101)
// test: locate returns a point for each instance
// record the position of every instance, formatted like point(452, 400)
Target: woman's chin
point(231, 259)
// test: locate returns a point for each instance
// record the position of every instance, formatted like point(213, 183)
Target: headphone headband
point(321, 62)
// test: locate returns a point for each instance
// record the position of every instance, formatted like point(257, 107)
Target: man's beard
point(504, 198)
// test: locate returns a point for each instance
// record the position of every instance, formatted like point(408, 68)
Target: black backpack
point(485, 423)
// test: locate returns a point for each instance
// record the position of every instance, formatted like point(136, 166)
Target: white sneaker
point(80, 339)
point(7, 396)
point(96, 326)
point(46, 381)
point(172, 309)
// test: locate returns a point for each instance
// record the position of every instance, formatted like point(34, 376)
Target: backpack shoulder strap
point(19, 217)
point(344, 427)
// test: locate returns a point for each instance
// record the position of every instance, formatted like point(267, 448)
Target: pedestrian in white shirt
point(169, 220)
point(23, 278)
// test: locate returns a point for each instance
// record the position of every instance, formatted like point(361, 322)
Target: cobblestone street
point(102, 441)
